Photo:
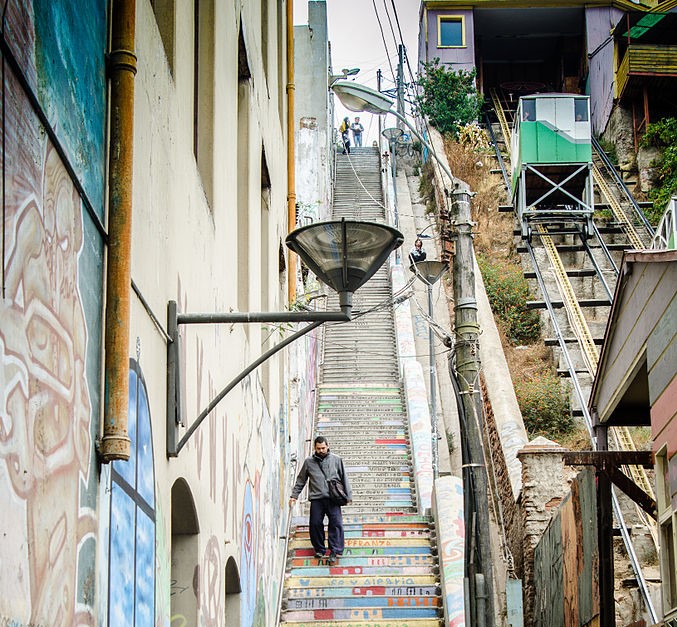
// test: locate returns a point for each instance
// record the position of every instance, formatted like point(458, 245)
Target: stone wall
point(545, 483)
point(510, 514)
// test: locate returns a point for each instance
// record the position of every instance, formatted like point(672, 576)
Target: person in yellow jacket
point(344, 129)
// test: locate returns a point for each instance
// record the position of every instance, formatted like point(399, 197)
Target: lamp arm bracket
point(174, 319)
point(174, 447)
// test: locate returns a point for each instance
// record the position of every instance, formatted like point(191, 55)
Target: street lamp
point(429, 272)
point(356, 97)
point(392, 135)
point(343, 254)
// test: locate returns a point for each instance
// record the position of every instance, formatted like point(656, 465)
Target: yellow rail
point(620, 435)
point(617, 210)
point(573, 309)
point(502, 120)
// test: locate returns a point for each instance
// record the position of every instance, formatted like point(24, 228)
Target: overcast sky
point(356, 41)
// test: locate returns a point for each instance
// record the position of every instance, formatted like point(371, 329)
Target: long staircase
point(388, 574)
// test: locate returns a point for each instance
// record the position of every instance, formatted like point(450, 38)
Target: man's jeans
point(358, 139)
point(318, 509)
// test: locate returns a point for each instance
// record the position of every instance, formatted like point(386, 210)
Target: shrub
point(448, 98)
point(508, 292)
point(544, 405)
point(663, 135)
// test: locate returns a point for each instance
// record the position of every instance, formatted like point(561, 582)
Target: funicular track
point(636, 228)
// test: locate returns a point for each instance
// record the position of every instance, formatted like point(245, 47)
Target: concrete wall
point(313, 116)
point(195, 538)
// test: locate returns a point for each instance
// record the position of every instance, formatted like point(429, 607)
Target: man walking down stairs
point(388, 573)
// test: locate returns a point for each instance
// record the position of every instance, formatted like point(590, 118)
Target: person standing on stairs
point(357, 129)
point(316, 470)
point(344, 129)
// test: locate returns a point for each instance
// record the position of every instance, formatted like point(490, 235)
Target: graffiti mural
point(50, 313)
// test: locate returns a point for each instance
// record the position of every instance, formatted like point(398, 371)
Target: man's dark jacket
point(311, 472)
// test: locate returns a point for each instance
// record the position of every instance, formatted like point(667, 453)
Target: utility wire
point(385, 46)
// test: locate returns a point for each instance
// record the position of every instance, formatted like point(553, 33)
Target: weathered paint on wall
point(566, 558)
point(420, 428)
point(50, 320)
point(599, 21)
point(449, 519)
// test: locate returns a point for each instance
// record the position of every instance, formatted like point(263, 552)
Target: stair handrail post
point(468, 373)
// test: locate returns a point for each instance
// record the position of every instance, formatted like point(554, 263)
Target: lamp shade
point(392, 134)
point(356, 97)
point(344, 254)
point(429, 271)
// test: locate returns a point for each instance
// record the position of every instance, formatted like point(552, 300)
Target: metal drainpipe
point(115, 442)
point(291, 174)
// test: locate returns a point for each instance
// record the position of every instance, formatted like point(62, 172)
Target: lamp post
point(343, 254)
point(429, 272)
point(392, 135)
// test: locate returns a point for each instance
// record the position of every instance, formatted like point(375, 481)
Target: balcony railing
point(645, 60)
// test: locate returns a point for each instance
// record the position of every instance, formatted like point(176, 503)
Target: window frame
point(450, 18)
point(667, 531)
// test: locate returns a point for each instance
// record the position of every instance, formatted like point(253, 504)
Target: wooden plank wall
point(566, 558)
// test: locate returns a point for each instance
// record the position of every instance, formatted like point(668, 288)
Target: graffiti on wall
point(50, 312)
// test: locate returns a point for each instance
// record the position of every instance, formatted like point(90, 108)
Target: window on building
point(244, 185)
point(667, 520)
point(581, 109)
point(450, 31)
point(164, 16)
point(203, 92)
point(131, 551)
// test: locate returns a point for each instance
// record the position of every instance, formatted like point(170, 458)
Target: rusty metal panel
point(565, 561)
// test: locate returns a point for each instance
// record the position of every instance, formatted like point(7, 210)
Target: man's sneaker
point(333, 558)
point(319, 554)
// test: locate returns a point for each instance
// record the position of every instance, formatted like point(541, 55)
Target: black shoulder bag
point(337, 493)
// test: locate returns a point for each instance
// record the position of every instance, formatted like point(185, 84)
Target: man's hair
point(320, 439)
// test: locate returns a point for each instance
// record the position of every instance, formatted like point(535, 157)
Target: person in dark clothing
point(417, 253)
point(344, 129)
point(316, 470)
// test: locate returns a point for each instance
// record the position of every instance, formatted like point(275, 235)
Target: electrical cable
point(385, 46)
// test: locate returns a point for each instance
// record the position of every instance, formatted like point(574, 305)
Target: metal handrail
point(627, 540)
point(620, 183)
point(285, 537)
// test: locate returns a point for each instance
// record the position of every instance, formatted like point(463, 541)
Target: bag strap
point(319, 463)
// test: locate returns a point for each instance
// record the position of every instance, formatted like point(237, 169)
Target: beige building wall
point(209, 222)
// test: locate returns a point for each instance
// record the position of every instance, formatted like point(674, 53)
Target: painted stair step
point(365, 591)
point(410, 622)
point(354, 525)
point(375, 533)
point(367, 542)
point(319, 603)
point(360, 614)
point(350, 522)
point(372, 552)
point(365, 562)
point(352, 581)
point(396, 465)
point(321, 570)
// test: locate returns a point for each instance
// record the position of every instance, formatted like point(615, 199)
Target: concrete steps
point(388, 573)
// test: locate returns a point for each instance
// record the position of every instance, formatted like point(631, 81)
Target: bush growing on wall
point(508, 292)
point(663, 135)
point(544, 405)
point(448, 98)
